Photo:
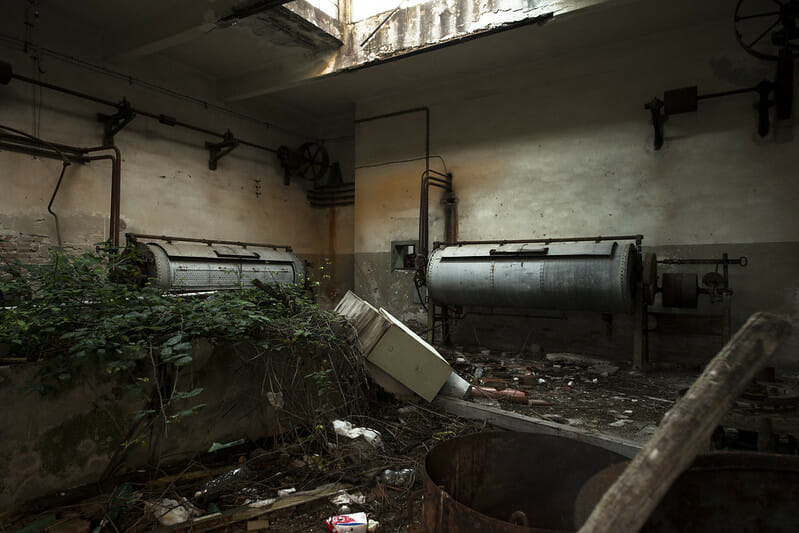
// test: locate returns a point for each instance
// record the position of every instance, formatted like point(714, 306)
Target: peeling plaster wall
point(563, 147)
point(68, 438)
point(436, 22)
point(420, 25)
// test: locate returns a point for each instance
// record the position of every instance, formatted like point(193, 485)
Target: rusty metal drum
point(721, 492)
point(498, 482)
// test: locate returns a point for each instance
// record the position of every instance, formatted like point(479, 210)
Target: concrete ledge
point(527, 424)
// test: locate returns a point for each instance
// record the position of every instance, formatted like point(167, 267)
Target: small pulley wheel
point(763, 28)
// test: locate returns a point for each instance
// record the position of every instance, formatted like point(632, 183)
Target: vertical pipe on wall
point(116, 187)
point(72, 153)
point(64, 166)
point(423, 204)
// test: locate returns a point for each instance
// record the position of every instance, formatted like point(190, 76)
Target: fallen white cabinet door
point(409, 359)
point(397, 359)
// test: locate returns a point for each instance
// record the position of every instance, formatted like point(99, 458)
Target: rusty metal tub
point(721, 492)
point(497, 482)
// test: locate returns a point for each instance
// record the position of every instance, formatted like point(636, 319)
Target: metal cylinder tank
point(586, 276)
point(194, 265)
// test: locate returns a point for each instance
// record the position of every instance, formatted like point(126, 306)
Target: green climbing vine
point(84, 312)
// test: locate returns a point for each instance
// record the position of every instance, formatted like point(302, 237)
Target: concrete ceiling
point(503, 52)
point(187, 32)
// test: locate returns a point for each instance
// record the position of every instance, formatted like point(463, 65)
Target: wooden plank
point(686, 428)
point(257, 525)
point(528, 424)
point(248, 512)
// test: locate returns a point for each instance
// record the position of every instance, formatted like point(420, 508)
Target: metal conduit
point(161, 118)
point(443, 181)
point(64, 166)
point(23, 142)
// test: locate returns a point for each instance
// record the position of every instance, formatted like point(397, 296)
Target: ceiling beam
point(181, 23)
point(252, 8)
point(275, 78)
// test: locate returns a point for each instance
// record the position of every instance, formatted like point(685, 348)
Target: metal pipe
point(38, 152)
point(116, 175)
point(743, 261)
point(424, 109)
point(726, 93)
point(64, 166)
point(636, 238)
point(76, 153)
point(423, 194)
point(161, 118)
point(135, 236)
point(64, 90)
point(63, 150)
point(27, 137)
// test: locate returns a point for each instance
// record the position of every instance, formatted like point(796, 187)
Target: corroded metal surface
point(187, 265)
point(721, 492)
point(485, 481)
point(587, 276)
point(730, 491)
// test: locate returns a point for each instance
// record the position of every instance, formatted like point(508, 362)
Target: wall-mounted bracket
point(217, 151)
point(763, 89)
point(655, 107)
point(687, 99)
point(113, 124)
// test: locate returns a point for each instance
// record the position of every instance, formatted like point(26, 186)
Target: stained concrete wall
point(68, 437)
point(563, 147)
point(167, 187)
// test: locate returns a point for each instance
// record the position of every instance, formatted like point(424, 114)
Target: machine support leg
point(431, 321)
point(640, 344)
point(726, 321)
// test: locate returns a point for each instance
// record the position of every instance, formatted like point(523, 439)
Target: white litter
point(345, 498)
point(169, 512)
point(346, 429)
point(348, 523)
point(263, 503)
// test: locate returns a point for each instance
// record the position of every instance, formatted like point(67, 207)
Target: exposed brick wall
point(27, 248)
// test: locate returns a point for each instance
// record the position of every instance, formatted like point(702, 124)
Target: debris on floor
point(247, 487)
point(355, 470)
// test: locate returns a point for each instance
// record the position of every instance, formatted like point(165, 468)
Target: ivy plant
point(79, 312)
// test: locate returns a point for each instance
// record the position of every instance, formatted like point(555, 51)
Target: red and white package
point(347, 523)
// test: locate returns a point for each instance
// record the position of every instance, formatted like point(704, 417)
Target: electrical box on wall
point(403, 255)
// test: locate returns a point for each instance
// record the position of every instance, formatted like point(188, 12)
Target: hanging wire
point(385, 163)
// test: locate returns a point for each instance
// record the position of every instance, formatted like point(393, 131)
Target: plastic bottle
point(397, 478)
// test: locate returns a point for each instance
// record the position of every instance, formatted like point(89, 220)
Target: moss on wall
point(86, 435)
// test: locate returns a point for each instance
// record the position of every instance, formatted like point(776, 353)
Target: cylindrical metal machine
point(586, 276)
point(200, 265)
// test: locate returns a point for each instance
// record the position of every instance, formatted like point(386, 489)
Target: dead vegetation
point(232, 489)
